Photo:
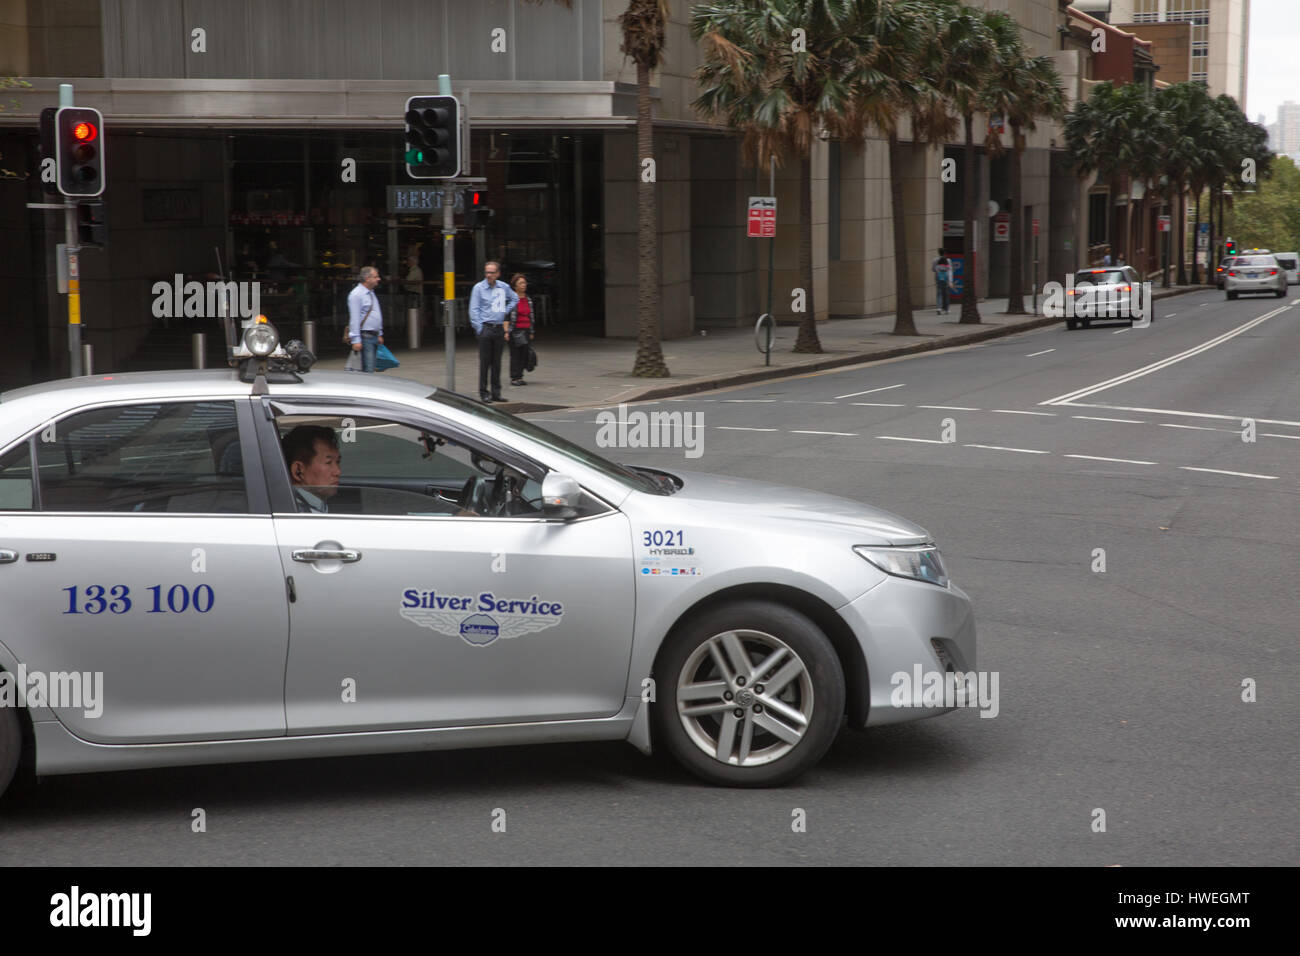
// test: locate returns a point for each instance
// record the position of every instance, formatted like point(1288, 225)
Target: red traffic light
point(475, 201)
point(84, 132)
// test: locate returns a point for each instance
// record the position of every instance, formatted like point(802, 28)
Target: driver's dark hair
point(300, 443)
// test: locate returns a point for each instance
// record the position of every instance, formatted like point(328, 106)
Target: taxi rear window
point(1256, 262)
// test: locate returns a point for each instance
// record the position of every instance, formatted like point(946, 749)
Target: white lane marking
point(952, 408)
point(746, 401)
point(883, 388)
point(1166, 411)
point(1012, 411)
point(1097, 418)
point(928, 441)
point(1118, 331)
point(741, 428)
point(1219, 471)
point(1078, 393)
point(1127, 461)
point(1199, 428)
point(1026, 451)
point(1043, 352)
point(1272, 435)
point(797, 431)
point(799, 401)
point(881, 404)
point(1171, 315)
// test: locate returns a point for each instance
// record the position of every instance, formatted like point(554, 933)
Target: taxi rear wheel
point(751, 694)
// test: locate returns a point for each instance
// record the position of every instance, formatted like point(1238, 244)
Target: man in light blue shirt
point(489, 304)
point(365, 321)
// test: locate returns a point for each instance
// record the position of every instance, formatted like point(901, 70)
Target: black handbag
point(532, 359)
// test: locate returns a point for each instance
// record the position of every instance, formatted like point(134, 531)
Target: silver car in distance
point(194, 570)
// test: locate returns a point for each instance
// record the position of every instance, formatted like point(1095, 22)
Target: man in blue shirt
point(489, 304)
point(365, 321)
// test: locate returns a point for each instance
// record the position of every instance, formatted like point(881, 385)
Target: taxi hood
point(748, 500)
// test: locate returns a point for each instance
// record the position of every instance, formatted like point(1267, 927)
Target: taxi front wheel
point(751, 694)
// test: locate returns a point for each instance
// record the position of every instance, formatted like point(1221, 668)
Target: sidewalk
point(584, 371)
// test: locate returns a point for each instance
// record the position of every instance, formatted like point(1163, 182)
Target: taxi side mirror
point(560, 496)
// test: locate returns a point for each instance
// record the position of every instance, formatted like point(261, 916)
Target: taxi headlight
point(261, 340)
point(921, 563)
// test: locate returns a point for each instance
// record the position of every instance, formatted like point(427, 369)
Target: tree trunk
point(1196, 243)
point(1016, 273)
point(1180, 210)
point(807, 340)
point(903, 323)
point(970, 312)
point(649, 356)
point(1211, 266)
point(1164, 243)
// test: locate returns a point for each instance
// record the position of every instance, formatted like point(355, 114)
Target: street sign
point(954, 228)
point(760, 222)
point(1164, 223)
point(423, 199)
point(1002, 227)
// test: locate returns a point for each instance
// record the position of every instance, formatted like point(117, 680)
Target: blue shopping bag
point(385, 359)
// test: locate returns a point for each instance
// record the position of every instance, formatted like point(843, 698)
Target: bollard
point(199, 349)
point(309, 335)
point(87, 359)
point(413, 317)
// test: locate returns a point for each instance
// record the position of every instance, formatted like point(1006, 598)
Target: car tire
point(1281, 294)
point(1232, 295)
point(1071, 324)
point(11, 746)
point(1087, 323)
point(764, 746)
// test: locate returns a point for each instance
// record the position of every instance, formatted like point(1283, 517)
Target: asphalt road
point(1120, 691)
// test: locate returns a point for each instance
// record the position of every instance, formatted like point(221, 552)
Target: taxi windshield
point(620, 473)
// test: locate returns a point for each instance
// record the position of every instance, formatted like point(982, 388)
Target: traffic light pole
point(449, 265)
point(74, 273)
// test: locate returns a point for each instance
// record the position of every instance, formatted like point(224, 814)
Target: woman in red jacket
point(519, 329)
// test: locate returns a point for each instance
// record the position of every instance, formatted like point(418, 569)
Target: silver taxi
point(1252, 273)
point(194, 571)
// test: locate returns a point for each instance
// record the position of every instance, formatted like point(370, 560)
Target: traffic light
point(92, 225)
point(79, 151)
point(1229, 248)
point(432, 137)
point(479, 214)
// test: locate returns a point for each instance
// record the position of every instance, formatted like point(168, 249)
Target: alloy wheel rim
point(745, 698)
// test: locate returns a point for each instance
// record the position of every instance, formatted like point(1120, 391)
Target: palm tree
point(966, 37)
point(895, 50)
point(1181, 105)
point(1021, 88)
point(643, 40)
point(780, 91)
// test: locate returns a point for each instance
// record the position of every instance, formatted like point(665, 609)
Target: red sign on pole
point(1035, 227)
point(761, 220)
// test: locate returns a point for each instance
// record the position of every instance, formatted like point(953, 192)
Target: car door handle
point(7, 556)
point(315, 554)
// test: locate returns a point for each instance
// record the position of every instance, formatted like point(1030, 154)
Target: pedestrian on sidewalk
point(942, 269)
point(489, 304)
point(519, 329)
point(365, 320)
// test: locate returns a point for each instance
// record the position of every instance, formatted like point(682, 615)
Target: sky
point(1273, 67)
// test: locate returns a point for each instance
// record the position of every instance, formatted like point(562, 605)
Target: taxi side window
point(181, 457)
point(16, 479)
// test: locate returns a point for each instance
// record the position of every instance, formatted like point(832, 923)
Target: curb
point(704, 384)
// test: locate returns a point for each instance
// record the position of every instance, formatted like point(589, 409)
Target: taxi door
point(437, 619)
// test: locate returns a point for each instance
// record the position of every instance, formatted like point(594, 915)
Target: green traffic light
point(414, 157)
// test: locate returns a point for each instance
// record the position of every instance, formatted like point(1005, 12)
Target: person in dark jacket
point(519, 329)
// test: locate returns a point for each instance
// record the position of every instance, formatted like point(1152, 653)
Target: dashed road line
point(1219, 471)
point(1199, 428)
point(1012, 411)
point(883, 388)
point(1118, 331)
point(739, 428)
point(881, 404)
point(1274, 435)
point(1026, 451)
point(1127, 461)
point(951, 408)
point(927, 441)
point(1043, 352)
point(1096, 418)
point(799, 431)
